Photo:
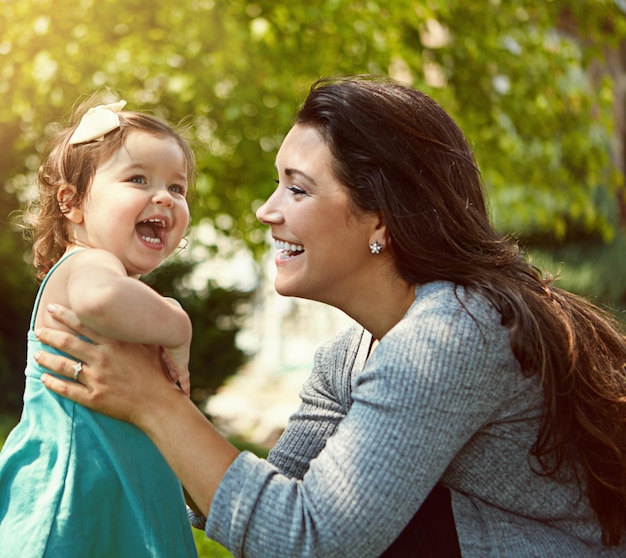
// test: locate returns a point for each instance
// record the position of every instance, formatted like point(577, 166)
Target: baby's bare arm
point(106, 299)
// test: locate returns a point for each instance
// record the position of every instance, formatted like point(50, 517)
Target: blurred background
point(538, 86)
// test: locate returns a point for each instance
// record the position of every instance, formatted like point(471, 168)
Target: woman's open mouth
point(287, 248)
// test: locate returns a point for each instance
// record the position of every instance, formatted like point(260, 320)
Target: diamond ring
point(78, 368)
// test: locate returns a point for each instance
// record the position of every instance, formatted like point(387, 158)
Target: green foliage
point(238, 69)
point(590, 268)
point(208, 548)
point(7, 423)
point(540, 131)
point(18, 284)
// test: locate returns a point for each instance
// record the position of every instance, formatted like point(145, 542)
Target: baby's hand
point(178, 371)
point(176, 359)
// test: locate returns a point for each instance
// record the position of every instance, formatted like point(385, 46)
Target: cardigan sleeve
point(321, 410)
point(322, 407)
point(431, 384)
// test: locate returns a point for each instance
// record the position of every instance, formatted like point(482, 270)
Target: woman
point(474, 406)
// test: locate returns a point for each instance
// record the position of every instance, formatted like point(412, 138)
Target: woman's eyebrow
point(294, 172)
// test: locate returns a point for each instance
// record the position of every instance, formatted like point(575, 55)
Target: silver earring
point(376, 247)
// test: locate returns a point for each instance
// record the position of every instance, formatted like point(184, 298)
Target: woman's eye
point(138, 179)
point(296, 191)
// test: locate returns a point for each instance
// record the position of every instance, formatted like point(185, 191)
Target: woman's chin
point(285, 288)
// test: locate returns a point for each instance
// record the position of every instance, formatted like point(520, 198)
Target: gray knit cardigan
point(441, 399)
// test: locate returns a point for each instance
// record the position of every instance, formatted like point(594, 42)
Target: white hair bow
point(96, 122)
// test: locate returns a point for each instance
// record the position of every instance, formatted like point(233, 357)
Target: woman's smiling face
point(323, 244)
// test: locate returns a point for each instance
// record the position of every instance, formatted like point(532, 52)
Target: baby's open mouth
point(152, 230)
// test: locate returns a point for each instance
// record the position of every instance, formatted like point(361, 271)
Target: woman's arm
point(136, 390)
point(196, 452)
point(429, 386)
point(431, 383)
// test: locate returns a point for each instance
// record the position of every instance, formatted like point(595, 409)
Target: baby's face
point(136, 206)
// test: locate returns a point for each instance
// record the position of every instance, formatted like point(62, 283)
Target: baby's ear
point(68, 203)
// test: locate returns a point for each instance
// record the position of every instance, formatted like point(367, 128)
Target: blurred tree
point(537, 87)
point(238, 69)
point(19, 288)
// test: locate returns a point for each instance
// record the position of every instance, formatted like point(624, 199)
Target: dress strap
point(43, 284)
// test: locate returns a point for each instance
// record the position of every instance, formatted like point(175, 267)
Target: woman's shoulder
point(451, 335)
point(340, 357)
point(347, 340)
point(448, 315)
point(446, 299)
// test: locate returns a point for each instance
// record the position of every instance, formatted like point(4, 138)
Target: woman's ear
point(379, 230)
point(67, 198)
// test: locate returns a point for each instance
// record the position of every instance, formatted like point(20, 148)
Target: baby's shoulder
point(94, 259)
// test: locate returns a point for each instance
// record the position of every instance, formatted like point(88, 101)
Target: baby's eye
point(178, 189)
point(138, 179)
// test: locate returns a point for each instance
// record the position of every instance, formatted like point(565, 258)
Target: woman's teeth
point(288, 247)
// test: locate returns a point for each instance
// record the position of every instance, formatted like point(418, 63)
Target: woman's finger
point(72, 390)
point(115, 379)
point(59, 364)
point(79, 349)
point(68, 318)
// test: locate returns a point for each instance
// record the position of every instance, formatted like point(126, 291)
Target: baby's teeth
point(151, 240)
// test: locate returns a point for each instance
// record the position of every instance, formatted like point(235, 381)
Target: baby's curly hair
point(76, 165)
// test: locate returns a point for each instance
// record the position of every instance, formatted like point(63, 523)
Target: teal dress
point(75, 483)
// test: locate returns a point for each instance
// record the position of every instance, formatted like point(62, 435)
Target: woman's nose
point(269, 213)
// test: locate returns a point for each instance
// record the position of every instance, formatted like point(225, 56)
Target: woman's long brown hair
point(399, 153)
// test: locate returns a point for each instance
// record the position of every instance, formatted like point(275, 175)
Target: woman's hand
point(127, 381)
point(122, 380)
